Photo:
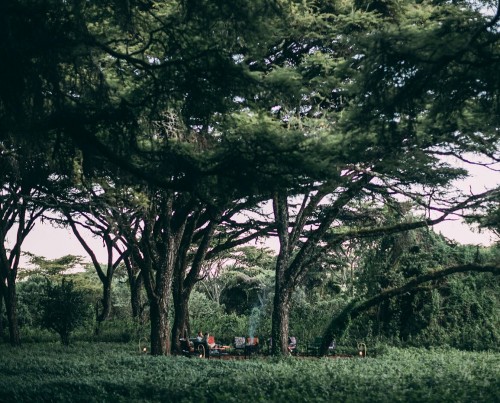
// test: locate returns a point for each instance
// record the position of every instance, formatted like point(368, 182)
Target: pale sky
point(52, 243)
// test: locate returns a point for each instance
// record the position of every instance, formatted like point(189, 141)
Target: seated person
point(210, 341)
point(201, 339)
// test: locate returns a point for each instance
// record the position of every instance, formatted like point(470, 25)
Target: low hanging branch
point(339, 323)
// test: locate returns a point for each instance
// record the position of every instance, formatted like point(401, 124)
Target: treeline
point(235, 298)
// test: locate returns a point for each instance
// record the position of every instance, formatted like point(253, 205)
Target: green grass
point(104, 372)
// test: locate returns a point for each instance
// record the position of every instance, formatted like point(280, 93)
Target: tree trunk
point(135, 284)
point(180, 304)
point(282, 290)
point(1, 313)
point(106, 300)
point(181, 319)
point(106, 305)
point(280, 321)
point(11, 309)
point(159, 301)
point(136, 299)
point(160, 332)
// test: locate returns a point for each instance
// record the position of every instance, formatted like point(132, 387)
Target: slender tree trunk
point(1, 313)
point(280, 321)
point(11, 309)
point(181, 319)
point(160, 331)
point(106, 300)
point(136, 299)
point(106, 305)
point(135, 283)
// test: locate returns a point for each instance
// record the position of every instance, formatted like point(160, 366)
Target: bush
point(208, 316)
point(64, 309)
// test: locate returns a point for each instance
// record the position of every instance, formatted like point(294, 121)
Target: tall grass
point(105, 372)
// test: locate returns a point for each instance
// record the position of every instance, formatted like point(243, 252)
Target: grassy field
point(118, 373)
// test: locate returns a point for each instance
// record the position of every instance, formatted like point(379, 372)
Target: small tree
point(64, 309)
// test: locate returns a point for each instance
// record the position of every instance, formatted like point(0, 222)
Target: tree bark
point(106, 304)
point(181, 320)
point(11, 309)
point(135, 285)
point(136, 299)
point(282, 288)
point(8, 291)
point(160, 330)
point(1, 312)
point(280, 321)
point(339, 323)
point(159, 298)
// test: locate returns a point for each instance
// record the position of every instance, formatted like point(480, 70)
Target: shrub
point(64, 309)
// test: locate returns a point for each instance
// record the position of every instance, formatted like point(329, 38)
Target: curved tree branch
point(339, 323)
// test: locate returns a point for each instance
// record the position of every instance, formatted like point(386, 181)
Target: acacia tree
point(364, 105)
point(19, 210)
point(99, 225)
point(107, 86)
point(28, 189)
point(156, 238)
point(174, 140)
point(337, 102)
point(20, 108)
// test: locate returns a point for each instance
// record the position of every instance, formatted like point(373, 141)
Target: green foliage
point(64, 309)
point(246, 288)
point(208, 316)
point(31, 293)
point(117, 330)
point(117, 372)
point(459, 311)
point(464, 313)
point(52, 268)
point(308, 319)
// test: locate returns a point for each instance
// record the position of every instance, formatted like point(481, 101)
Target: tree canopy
point(191, 113)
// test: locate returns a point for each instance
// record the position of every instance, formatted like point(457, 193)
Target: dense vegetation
point(184, 133)
point(459, 311)
point(180, 132)
point(109, 372)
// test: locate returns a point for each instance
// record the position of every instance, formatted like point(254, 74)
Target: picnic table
point(203, 348)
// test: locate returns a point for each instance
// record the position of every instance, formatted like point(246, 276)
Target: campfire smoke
point(253, 322)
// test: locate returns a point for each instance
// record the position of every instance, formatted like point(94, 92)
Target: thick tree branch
point(340, 322)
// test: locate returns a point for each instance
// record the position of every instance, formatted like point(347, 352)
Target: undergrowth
point(117, 372)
